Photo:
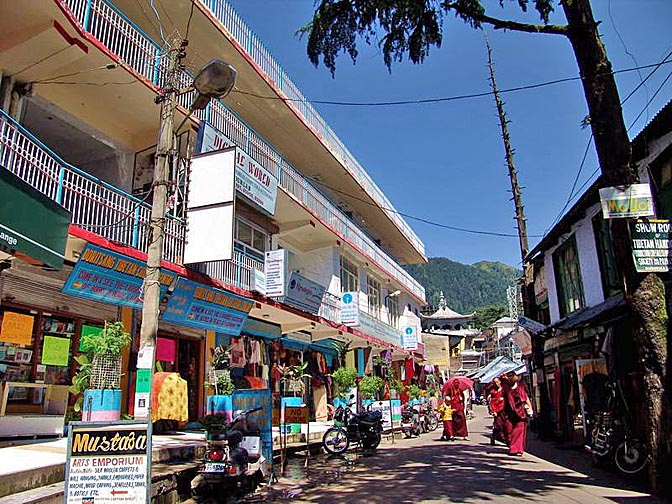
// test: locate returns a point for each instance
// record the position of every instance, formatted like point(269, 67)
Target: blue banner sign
point(379, 329)
point(109, 277)
point(197, 305)
point(260, 328)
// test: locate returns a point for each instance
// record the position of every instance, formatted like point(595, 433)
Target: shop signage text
point(409, 338)
point(296, 415)
point(196, 305)
point(253, 181)
point(651, 246)
point(17, 328)
point(304, 294)
point(108, 277)
point(631, 201)
point(350, 309)
point(378, 329)
point(275, 262)
point(260, 328)
point(107, 463)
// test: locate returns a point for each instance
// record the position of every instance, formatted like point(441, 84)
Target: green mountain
point(466, 287)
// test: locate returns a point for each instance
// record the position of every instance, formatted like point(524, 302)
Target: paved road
point(426, 470)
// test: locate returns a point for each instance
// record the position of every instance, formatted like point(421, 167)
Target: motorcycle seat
point(254, 457)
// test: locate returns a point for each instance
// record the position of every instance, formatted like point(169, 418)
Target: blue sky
point(445, 162)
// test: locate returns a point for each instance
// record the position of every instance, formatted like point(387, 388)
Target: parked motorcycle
point(431, 419)
point(410, 421)
point(365, 429)
point(611, 438)
point(232, 465)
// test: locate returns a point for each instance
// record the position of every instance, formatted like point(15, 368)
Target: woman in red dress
point(516, 406)
point(496, 405)
point(459, 418)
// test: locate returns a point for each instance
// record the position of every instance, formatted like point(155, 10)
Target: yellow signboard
point(17, 328)
point(296, 414)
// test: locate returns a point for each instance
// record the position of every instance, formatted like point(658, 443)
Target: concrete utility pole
point(162, 164)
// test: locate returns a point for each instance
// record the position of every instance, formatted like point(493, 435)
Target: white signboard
point(253, 181)
point(304, 294)
point(259, 282)
point(409, 338)
point(385, 407)
point(275, 262)
point(210, 207)
point(108, 463)
point(350, 309)
point(629, 201)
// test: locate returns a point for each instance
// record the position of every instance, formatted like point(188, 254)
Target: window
point(349, 276)
point(393, 310)
point(373, 293)
point(568, 277)
point(605, 254)
point(250, 239)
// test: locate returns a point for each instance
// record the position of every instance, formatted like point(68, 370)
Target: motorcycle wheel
point(631, 456)
point(372, 440)
point(335, 440)
point(432, 423)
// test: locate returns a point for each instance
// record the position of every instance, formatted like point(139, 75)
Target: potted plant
point(344, 380)
point(294, 378)
point(98, 378)
point(219, 380)
point(370, 387)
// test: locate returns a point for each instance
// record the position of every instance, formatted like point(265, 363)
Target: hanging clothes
point(238, 353)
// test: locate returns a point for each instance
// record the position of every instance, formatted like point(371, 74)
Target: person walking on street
point(459, 417)
point(446, 415)
point(495, 395)
point(518, 408)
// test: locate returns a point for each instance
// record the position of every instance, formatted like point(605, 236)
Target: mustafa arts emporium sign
point(108, 463)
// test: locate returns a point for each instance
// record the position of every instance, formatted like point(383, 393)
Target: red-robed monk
point(516, 405)
point(496, 406)
point(459, 418)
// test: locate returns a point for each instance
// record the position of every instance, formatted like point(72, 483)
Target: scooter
point(232, 465)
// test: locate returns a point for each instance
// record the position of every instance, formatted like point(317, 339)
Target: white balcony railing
point(95, 205)
point(232, 22)
point(120, 34)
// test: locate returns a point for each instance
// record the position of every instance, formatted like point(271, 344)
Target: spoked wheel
point(372, 440)
point(432, 423)
point(335, 440)
point(631, 456)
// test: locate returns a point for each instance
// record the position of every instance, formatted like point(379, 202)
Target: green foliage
point(224, 385)
point(402, 28)
point(80, 382)
point(111, 340)
point(344, 379)
point(486, 315)
point(342, 349)
point(414, 391)
point(465, 287)
point(371, 386)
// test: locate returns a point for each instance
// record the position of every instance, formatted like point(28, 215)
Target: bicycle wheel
point(335, 440)
point(631, 456)
point(432, 423)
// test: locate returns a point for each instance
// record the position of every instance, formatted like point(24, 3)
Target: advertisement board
point(409, 338)
point(197, 305)
point(630, 201)
point(304, 294)
point(108, 277)
point(108, 463)
point(651, 246)
point(350, 309)
point(275, 263)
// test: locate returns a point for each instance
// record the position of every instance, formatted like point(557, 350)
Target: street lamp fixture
point(215, 80)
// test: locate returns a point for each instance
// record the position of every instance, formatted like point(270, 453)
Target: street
point(428, 471)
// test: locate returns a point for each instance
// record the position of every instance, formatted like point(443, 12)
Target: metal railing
point(232, 22)
point(237, 271)
point(119, 33)
point(95, 205)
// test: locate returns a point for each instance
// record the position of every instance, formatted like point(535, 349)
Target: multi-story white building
point(79, 124)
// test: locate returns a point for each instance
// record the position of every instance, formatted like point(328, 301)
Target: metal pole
point(152, 285)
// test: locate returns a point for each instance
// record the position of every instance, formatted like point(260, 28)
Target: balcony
point(130, 45)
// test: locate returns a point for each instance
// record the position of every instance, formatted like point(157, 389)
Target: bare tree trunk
point(644, 294)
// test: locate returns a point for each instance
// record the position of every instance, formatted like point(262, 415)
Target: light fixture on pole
point(215, 80)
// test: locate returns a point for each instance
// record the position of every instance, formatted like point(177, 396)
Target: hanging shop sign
point(254, 182)
point(378, 329)
point(211, 205)
point(260, 328)
point(259, 282)
point(629, 201)
point(350, 309)
point(108, 277)
point(304, 294)
point(651, 246)
point(108, 463)
point(197, 305)
point(409, 338)
point(32, 226)
point(275, 270)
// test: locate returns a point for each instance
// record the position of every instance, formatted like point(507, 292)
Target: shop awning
point(32, 226)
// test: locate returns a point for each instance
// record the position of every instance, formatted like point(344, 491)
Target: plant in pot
point(219, 380)
point(98, 378)
point(370, 388)
point(344, 380)
point(294, 378)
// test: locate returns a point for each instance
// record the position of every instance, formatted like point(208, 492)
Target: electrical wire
point(109, 66)
point(440, 99)
point(55, 53)
point(646, 107)
point(191, 13)
point(158, 18)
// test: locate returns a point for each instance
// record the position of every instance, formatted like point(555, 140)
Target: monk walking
point(496, 406)
point(517, 407)
point(459, 417)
